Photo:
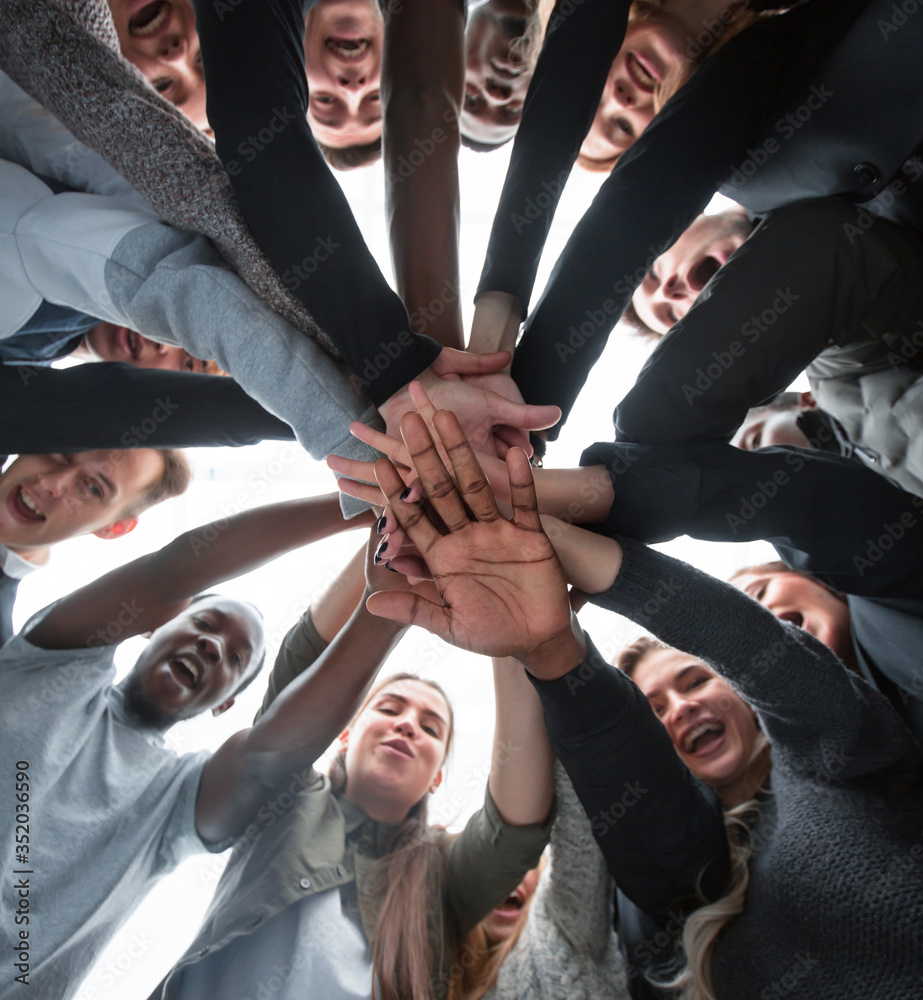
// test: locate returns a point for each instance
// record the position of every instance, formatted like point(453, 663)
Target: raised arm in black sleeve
point(659, 829)
point(581, 42)
point(257, 103)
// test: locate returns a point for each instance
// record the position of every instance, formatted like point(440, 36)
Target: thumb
point(523, 415)
point(409, 609)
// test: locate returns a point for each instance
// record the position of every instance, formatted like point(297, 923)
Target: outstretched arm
point(301, 722)
point(160, 585)
point(421, 88)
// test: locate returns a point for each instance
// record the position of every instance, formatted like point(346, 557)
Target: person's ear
point(808, 402)
point(222, 708)
point(117, 528)
point(437, 781)
point(344, 740)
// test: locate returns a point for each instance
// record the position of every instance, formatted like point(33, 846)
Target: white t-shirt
point(104, 810)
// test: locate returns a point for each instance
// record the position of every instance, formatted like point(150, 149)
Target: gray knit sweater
point(834, 908)
point(46, 46)
point(568, 950)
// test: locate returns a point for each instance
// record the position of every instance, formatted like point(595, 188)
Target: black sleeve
point(824, 513)
point(810, 706)
point(558, 111)
point(257, 102)
point(658, 828)
point(801, 282)
point(110, 405)
point(655, 192)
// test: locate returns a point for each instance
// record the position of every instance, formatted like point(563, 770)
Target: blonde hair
point(405, 887)
point(703, 925)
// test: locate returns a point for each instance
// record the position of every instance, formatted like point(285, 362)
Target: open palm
point(503, 588)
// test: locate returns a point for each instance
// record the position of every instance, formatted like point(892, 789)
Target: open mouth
point(134, 344)
point(26, 507)
point(350, 49)
point(703, 272)
point(641, 73)
point(187, 671)
point(703, 736)
point(510, 908)
point(150, 19)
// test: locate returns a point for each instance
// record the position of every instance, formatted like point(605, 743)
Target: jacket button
point(255, 919)
point(867, 173)
point(341, 870)
point(305, 883)
point(202, 952)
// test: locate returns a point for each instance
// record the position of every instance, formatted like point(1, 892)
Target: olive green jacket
point(309, 838)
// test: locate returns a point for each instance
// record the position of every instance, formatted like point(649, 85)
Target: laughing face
point(159, 37)
point(650, 51)
point(713, 729)
point(502, 921)
point(195, 662)
point(496, 80)
point(395, 749)
point(679, 274)
point(342, 54)
point(47, 498)
point(108, 342)
point(803, 602)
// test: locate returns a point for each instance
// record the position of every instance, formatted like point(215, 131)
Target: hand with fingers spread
point(502, 586)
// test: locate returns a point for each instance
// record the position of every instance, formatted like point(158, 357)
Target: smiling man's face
point(342, 55)
point(195, 662)
point(47, 498)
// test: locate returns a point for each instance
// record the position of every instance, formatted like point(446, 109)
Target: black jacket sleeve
point(109, 405)
point(580, 44)
point(257, 102)
point(822, 512)
point(659, 829)
point(657, 189)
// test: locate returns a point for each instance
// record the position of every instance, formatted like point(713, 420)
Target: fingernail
point(381, 548)
point(382, 521)
point(405, 494)
point(390, 567)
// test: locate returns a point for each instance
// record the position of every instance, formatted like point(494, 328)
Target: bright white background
point(167, 920)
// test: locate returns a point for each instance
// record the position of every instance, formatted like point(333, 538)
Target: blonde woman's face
point(712, 728)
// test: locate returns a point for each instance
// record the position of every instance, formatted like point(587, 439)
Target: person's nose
point(625, 95)
point(172, 46)
point(680, 708)
point(404, 725)
point(210, 647)
point(675, 288)
point(352, 78)
point(497, 92)
point(57, 483)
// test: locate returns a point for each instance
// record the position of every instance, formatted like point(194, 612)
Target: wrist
point(557, 656)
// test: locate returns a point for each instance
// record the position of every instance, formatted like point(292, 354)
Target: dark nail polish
point(378, 552)
point(382, 521)
point(405, 494)
point(390, 567)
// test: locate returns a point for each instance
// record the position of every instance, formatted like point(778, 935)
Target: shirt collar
point(360, 825)
point(14, 565)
